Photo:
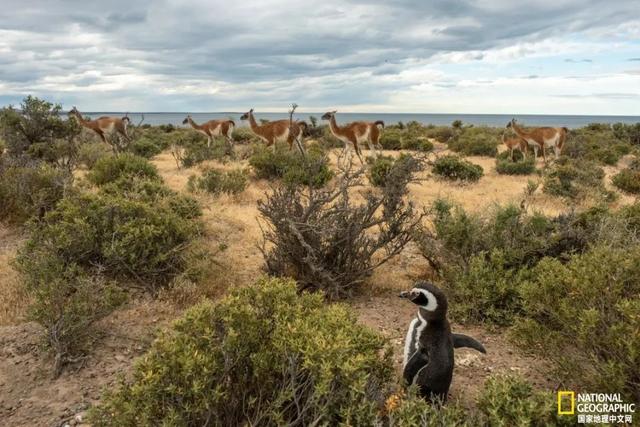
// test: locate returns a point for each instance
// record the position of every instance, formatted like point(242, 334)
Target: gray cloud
point(329, 51)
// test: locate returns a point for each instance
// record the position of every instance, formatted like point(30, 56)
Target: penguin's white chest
point(412, 340)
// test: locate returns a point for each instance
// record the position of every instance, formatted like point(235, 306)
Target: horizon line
point(362, 112)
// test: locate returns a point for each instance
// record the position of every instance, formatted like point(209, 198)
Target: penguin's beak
point(404, 294)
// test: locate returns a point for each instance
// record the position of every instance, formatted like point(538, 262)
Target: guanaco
point(277, 130)
point(352, 134)
point(516, 143)
point(213, 128)
point(103, 125)
point(541, 137)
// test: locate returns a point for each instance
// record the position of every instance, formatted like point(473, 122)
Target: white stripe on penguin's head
point(424, 299)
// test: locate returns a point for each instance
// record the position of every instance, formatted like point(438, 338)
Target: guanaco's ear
point(334, 111)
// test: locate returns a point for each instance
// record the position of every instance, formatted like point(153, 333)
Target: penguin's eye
point(421, 299)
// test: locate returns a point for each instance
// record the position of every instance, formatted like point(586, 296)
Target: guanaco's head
point(73, 111)
point(511, 123)
point(245, 116)
point(329, 114)
point(186, 120)
point(431, 301)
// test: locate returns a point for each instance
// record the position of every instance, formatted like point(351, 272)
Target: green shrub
point(197, 153)
point(628, 179)
point(152, 192)
point(145, 147)
point(90, 153)
point(391, 139)
point(381, 168)
point(518, 166)
point(476, 141)
point(112, 168)
point(37, 130)
point(216, 181)
point(413, 410)
point(510, 401)
point(440, 133)
point(263, 355)
point(585, 316)
point(311, 170)
point(486, 291)
point(245, 135)
point(27, 192)
point(455, 168)
point(411, 142)
point(574, 179)
point(596, 143)
point(121, 237)
point(628, 133)
point(67, 301)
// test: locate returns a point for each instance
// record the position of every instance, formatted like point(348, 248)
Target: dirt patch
point(29, 396)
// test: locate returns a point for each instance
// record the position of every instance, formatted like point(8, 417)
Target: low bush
point(417, 143)
point(326, 241)
point(90, 153)
point(455, 168)
point(216, 181)
point(294, 169)
point(379, 169)
point(145, 147)
point(123, 238)
point(585, 316)
point(508, 400)
point(440, 133)
point(627, 133)
point(486, 291)
point(575, 179)
point(382, 167)
point(110, 169)
point(391, 139)
point(518, 166)
point(264, 355)
point(628, 179)
point(197, 153)
point(476, 141)
point(596, 142)
point(30, 191)
point(67, 301)
point(244, 135)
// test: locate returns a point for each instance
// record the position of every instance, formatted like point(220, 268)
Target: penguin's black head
point(430, 300)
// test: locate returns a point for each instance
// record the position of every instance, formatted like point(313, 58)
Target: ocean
point(498, 120)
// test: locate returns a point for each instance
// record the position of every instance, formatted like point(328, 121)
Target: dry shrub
point(327, 241)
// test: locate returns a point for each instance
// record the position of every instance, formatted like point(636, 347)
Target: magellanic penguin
point(428, 348)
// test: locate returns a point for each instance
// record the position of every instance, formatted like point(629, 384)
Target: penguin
point(429, 344)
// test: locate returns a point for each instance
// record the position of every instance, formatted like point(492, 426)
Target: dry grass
point(13, 297)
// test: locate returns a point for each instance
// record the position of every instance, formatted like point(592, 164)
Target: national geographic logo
point(596, 408)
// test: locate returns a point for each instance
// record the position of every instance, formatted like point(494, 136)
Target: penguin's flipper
point(417, 361)
point(461, 340)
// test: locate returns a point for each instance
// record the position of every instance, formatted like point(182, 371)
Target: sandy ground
point(29, 396)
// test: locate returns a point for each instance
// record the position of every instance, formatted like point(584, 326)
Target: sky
point(419, 56)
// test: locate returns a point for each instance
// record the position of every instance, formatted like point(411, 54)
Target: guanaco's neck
point(193, 124)
point(253, 123)
point(79, 117)
point(518, 130)
point(335, 129)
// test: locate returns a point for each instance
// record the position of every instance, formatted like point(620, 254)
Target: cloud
point(211, 55)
